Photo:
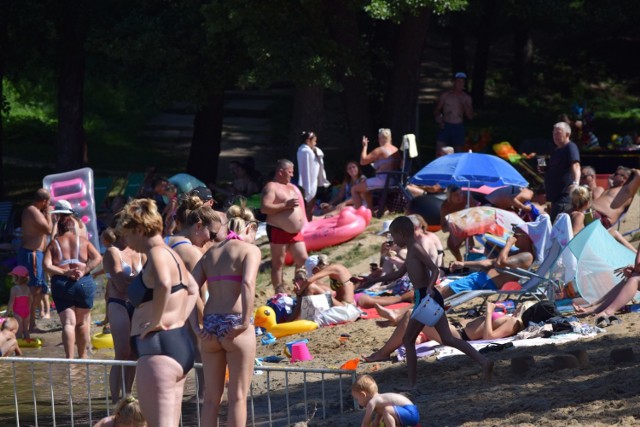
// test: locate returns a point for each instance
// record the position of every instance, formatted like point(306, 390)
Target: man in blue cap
point(453, 106)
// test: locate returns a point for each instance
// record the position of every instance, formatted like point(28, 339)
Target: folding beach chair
point(397, 180)
point(535, 283)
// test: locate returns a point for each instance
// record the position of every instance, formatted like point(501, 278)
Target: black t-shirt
point(558, 176)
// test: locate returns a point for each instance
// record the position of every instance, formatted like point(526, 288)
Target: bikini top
point(139, 293)
point(126, 268)
point(389, 159)
point(75, 260)
point(182, 242)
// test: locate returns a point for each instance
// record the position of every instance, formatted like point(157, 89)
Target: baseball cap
point(62, 207)
point(460, 75)
point(19, 271)
point(203, 192)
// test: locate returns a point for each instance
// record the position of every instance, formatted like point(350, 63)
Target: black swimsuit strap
point(177, 264)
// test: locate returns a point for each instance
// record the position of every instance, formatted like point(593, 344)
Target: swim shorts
point(32, 260)
point(473, 282)
point(280, 237)
point(452, 134)
point(408, 415)
point(69, 293)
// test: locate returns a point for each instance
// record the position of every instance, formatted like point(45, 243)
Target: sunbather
point(487, 327)
point(489, 277)
point(606, 307)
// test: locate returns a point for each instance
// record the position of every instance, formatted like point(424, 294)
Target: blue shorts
point(473, 282)
point(452, 134)
point(408, 415)
point(32, 260)
point(69, 293)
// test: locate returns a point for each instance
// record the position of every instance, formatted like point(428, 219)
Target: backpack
point(540, 312)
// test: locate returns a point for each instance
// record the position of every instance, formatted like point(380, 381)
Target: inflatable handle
point(70, 189)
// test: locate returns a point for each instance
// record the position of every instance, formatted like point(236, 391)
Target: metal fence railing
point(61, 392)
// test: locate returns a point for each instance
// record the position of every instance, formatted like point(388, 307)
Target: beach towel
point(372, 313)
point(539, 231)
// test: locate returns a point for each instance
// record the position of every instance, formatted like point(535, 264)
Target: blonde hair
point(9, 323)
point(580, 196)
point(239, 217)
point(188, 203)
point(127, 411)
point(385, 132)
point(143, 214)
point(365, 383)
point(204, 214)
point(418, 222)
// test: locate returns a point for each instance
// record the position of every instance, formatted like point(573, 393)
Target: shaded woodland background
point(81, 79)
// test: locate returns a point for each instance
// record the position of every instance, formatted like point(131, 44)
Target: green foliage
point(396, 10)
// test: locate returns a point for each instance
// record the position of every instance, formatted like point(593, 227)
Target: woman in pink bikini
point(20, 300)
point(228, 338)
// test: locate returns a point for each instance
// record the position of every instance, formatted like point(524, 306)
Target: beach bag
point(313, 305)
point(282, 305)
point(428, 312)
point(540, 312)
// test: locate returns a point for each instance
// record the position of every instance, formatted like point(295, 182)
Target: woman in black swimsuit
point(163, 295)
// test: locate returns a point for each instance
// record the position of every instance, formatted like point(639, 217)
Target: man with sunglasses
point(588, 179)
point(609, 214)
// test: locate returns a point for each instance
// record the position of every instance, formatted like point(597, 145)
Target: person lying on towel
point(489, 278)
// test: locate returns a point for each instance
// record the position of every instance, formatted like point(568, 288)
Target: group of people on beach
point(184, 293)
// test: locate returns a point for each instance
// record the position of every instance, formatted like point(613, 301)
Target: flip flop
point(494, 346)
point(602, 322)
point(614, 320)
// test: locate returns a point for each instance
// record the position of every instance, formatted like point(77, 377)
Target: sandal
point(614, 320)
point(603, 322)
point(494, 346)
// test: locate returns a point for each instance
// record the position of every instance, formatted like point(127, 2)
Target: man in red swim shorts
point(283, 205)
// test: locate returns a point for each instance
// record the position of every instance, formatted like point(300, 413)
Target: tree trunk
point(308, 115)
point(207, 139)
point(355, 98)
point(523, 58)
point(483, 47)
point(71, 146)
point(3, 50)
point(458, 44)
point(402, 94)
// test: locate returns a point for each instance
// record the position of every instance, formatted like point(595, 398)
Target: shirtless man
point(489, 277)
point(423, 273)
point(283, 205)
point(452, 107)
point(604, 205)
point(36, 226)
point(588, 179)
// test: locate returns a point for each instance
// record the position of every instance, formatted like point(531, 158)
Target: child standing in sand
point(8, 342)
point(392, 408)
point(423, 274)
point(20, 300)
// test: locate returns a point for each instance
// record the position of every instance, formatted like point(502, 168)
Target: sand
point(452, 391)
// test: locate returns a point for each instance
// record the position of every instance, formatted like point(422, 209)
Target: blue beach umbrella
point(469, 170)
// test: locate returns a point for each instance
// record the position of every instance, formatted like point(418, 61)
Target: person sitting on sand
point(605, 308)
point(388, 409)
point(423, 274)
point(338, 275)
point(489, 277)
point(487, 327)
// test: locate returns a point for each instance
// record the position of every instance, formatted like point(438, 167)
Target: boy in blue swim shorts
point(392, 408)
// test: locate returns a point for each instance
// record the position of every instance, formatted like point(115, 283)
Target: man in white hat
point(452, 107)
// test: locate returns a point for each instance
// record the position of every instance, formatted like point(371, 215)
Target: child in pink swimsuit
point(20, 300)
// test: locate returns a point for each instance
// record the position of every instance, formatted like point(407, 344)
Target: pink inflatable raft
point(325, 232)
